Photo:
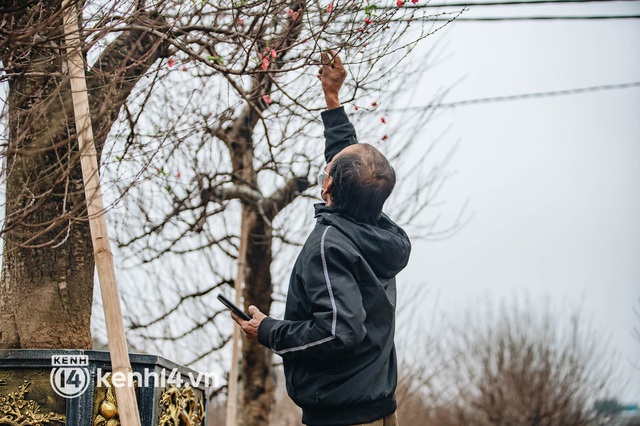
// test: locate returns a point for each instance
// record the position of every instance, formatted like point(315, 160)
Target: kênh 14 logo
point(70, 377)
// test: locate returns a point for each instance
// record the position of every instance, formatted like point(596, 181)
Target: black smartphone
point(229, 304)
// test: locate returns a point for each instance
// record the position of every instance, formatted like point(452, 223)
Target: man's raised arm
point(338, 131)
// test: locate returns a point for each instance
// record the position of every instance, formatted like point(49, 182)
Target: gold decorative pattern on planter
point(108, 410)
point(180, 408)
point(16, 410)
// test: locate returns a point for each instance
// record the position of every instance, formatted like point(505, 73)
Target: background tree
point(521, 365)
point(421, 328)
point(215, 139)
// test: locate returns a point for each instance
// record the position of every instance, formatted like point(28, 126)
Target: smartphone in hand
point(229, 304)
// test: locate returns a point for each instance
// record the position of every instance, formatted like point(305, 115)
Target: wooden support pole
point(125, 395)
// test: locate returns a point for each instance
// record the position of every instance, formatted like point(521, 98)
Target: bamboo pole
point(125, 395)
point(232, 387)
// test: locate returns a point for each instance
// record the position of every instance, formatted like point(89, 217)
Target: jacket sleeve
point(337, 312)
point(339, 133)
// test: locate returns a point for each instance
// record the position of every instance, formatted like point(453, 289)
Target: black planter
point(75, 388)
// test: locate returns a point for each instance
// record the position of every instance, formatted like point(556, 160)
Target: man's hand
point(249, 329)
point(332, 74)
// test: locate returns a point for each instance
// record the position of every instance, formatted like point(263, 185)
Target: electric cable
point(521, 96)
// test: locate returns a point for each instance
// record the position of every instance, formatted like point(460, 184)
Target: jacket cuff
point(264, 329)
point(334, 117)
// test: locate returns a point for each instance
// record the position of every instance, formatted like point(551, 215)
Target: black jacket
point(336, 339)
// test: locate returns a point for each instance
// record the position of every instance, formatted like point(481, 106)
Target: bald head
point(362, 180)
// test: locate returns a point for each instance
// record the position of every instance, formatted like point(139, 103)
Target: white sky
point(554, 183)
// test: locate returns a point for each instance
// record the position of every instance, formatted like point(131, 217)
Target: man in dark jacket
point(336, 339)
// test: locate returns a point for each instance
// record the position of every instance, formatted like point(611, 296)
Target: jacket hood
point(385, 246)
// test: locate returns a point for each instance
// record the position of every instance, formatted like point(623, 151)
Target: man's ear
point(326, 192)
point(329, 187)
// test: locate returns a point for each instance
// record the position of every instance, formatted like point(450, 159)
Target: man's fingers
point(335, 59)
point(235, 318)
point(326, 66)
point(324, 56)
point(253, 310)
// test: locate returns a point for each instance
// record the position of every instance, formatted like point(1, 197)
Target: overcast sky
point(554, 183)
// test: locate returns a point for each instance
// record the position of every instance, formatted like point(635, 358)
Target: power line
point(503, 3)
point(466, 5)
point(530, 18)
point(498, 3)
point(522, 96)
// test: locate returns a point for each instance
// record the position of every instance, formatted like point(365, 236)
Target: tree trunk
point(258, 383)
point(46, 287)
point(47, 274)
